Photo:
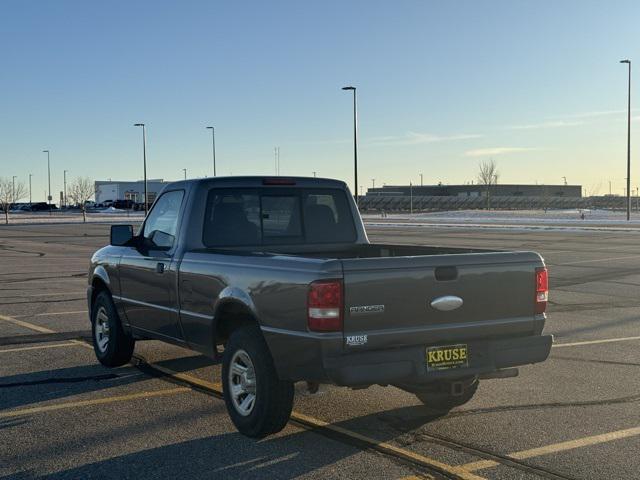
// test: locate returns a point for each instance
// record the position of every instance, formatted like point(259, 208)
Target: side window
point(162, 222)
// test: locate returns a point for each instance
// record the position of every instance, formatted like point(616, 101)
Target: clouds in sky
point(548, 124)
point(495, 151)
point(417, 138)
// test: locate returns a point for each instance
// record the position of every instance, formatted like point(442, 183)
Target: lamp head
point(626, 61)
point(348, 88)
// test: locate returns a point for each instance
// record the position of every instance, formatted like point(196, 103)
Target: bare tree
point(81, 190)
point(10, 192)
point(488, 175)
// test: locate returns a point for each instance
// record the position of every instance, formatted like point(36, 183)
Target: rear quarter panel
point(272, 288)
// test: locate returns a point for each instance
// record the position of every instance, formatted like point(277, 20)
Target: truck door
point(148, 271)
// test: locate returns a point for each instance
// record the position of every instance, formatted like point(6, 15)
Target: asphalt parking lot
point(62, 415)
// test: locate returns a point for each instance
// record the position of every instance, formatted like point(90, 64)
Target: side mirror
point(120, 235)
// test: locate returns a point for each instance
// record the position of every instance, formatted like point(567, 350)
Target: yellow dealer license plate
point(447, 356)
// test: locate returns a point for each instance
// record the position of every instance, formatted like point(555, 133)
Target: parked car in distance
point(277, 277)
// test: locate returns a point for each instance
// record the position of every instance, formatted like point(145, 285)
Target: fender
point(100, 272)
point(231, 296)
point(237, 295)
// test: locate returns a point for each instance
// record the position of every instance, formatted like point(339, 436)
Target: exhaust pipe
point(503, 373)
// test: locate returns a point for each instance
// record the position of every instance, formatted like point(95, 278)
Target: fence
point(433, 203)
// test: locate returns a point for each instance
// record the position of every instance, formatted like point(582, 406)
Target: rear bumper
point(407, 365)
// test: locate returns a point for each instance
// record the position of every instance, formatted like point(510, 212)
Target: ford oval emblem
point(447, 303)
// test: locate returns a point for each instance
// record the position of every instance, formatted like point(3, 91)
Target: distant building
point(500, 190)
point(112, 190)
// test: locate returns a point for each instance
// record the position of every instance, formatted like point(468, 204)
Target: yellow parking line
point(50, 294)
point(557, 447)
point(594, 342)
point(97, 401)
point(299, 417)
point(46, 314)
point(39, 347)
point(30, 326)
point(461, 472)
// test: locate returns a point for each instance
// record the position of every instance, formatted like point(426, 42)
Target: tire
point(440, 400)
point(247, 369)
point(113, 347)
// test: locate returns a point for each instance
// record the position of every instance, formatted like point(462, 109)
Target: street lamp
point(185, 173)
point(213, 148)
point(144, 159)
point(628, 62)
point(64, 173)
point(373, 183)
point(355, 141)
point(30, 175)
point(421, 180)
point(13, 189)
point(49, 177)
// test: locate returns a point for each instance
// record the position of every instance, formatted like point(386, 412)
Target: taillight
point(324, 304)
point(542, 289)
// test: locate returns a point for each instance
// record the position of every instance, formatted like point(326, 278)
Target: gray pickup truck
point(278, 274)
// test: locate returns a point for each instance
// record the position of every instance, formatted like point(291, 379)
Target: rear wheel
point(258, 402)
point(113, 347)
point(444, 396)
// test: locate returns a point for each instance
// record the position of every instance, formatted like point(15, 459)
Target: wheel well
point(98, 286)
point(229, 317)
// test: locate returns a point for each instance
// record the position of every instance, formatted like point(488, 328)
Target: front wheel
point(258, 402)
point(113, 347)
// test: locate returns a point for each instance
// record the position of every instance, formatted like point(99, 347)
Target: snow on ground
point(517, 217)
point(110, 215)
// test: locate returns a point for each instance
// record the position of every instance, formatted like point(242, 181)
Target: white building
point(112, 190)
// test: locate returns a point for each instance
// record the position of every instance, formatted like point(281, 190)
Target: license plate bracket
point(447, 357)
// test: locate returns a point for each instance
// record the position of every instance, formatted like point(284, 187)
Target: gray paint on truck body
point(388, 290)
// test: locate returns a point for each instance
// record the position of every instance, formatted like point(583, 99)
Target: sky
point(442, 85)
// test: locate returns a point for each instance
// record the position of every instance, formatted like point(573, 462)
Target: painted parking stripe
point(47, 314)
point(557, 447)
point(595, 342)
point(30, 326)
point(96, 401)
point(39, 347)
point(50, 294)
point(312, 422)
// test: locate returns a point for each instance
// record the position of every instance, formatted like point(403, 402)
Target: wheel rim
point(102, 329)
point(242, 383)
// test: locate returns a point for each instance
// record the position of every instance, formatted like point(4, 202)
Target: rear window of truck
point(243, 217)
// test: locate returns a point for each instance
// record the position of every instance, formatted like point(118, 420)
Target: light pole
point(355, 141)
point(373, 183)
point(410, 198)
point(144, 159)
point(49, 178)
point(314, 174)
point(13, 189)
point(421, 184)
point(628, 62)
point(213, 147)
point(64, 173)
point(30, 175)
point(185, 173)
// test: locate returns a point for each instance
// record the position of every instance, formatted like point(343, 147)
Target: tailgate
point(478, 295)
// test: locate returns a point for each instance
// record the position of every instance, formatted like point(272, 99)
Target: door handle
point(160, 267)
